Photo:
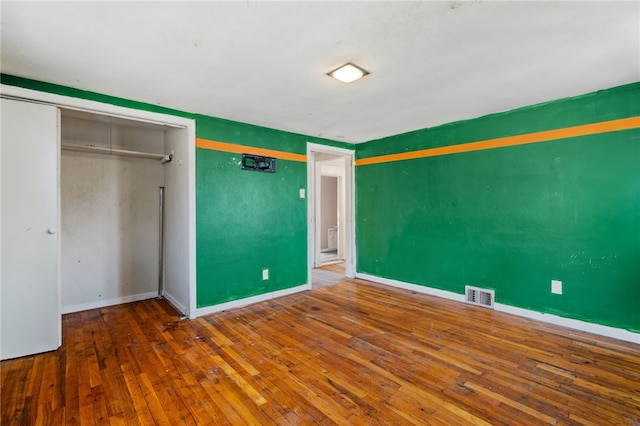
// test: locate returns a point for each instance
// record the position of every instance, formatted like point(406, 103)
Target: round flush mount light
point(348, 73)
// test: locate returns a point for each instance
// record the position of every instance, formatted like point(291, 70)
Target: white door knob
point(52, 231)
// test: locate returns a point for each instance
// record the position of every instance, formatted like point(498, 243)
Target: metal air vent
point(479, 296)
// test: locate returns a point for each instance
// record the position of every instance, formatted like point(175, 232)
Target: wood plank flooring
point(354, 353)
point(327, 275)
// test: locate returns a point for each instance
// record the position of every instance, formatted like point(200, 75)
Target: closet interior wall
point(109, 212)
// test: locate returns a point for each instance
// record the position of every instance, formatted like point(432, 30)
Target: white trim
point(316, 213)
point(342, 220)
point(175, 303)
point(96, 107)
point(108, 302)
point(191, 137)
point(349, 183)
point(251, 300)
point(59, 220)
point(601, 330)
point(413, 287)
point(79, 104)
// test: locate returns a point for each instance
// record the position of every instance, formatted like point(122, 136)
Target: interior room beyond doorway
point(330, 209)
point(330, 220)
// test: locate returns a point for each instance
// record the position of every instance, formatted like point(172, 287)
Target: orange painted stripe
point(545, 136)
point(243, 149)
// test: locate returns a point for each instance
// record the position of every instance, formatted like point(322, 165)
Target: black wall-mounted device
point(258, 163)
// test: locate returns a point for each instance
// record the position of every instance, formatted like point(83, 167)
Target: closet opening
point(124, 216)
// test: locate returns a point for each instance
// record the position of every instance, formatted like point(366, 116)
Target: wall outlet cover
point(302, 192)
point(556, 287)
point(265, 274)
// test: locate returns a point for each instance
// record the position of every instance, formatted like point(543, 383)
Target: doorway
point(330, 223)
point(330, 210)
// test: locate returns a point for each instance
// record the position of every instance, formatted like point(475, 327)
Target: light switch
point(301, 192)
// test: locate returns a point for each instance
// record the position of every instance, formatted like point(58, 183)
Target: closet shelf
point(115, 151)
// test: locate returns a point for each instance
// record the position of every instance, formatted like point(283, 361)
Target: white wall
point(109, 215)
point(176, 223)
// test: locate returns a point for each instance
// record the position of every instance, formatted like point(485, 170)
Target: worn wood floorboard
point(355, 353)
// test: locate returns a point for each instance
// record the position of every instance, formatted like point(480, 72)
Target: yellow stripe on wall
point(243, 149)
point(545, 136)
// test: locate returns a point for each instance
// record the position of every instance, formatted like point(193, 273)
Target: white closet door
point(31, 321)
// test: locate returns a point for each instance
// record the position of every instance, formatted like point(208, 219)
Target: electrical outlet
point(265, 274)
point(556, 287)
point(302, 192)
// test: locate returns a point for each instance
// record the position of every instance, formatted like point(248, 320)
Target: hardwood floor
point(327, 275)
point(353, 353)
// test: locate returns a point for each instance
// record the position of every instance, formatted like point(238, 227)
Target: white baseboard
point(602, 330)
point(108, 302)
point(176, 303)
point(250, 300)
point(413, 287)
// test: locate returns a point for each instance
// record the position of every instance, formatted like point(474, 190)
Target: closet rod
point(104, 150)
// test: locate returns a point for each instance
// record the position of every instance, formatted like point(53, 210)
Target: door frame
point(96, 107)
point(349, 199)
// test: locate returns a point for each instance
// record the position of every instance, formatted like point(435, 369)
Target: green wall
point(512, 219)
point(245, 221)
point(248, 221)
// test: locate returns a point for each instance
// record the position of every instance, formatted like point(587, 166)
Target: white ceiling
point(265, 63)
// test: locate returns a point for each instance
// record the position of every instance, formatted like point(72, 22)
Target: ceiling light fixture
point(348, 73)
